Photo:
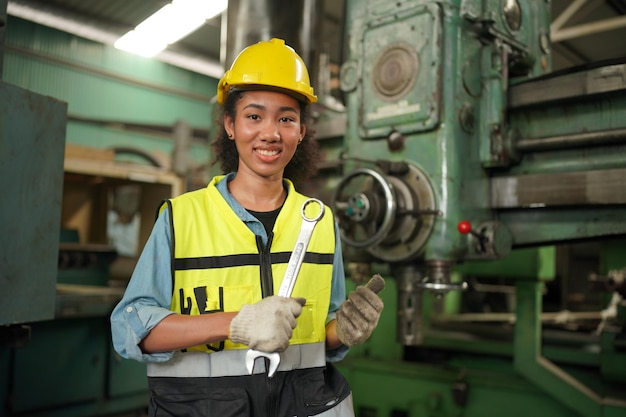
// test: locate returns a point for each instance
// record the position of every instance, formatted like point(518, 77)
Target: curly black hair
point(302, 166)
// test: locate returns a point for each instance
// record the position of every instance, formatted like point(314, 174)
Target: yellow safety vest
point(217, 262)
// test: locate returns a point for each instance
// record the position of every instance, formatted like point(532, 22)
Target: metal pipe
point(577, 140)
point(529, 361)
point(588, 29)
point(564, 316)
point(297, 22)
point(566, 14)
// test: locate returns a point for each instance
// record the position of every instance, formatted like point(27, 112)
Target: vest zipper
point(267, 289)
point(265, 260)
point(272, 394)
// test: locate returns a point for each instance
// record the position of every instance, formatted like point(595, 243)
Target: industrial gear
point(268, 64)
point(358, 315)
point(267, 325)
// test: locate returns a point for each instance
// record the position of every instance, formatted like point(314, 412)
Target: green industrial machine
point(490, 193)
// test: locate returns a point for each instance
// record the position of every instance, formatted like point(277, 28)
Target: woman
point(202, 294)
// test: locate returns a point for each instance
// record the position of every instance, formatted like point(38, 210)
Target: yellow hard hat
point(268, 63)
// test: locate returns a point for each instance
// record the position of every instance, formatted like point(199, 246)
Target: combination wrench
point(289, 280)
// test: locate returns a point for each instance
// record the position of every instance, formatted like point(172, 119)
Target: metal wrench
point(289, 280)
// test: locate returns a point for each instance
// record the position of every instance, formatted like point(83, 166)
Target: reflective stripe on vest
point(233, 362)
point(343, 409)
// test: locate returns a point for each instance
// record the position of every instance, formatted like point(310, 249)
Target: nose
point(269, 131)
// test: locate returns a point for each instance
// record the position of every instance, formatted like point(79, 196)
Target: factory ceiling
point(583, 31)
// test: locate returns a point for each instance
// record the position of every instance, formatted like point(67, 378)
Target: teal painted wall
point(100, 82)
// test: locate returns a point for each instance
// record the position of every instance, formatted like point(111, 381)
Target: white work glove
point(358, 315)
point(267, 325)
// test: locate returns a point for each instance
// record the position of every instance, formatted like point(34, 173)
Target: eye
point(253, 117)
point(287, 119)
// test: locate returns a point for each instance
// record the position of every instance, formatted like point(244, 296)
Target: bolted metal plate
point(401, 70)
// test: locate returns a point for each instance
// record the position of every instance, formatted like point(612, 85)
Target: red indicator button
point(464, 227)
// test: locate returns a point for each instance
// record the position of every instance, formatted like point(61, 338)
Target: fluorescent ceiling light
point(168, 25)
point(138, 43)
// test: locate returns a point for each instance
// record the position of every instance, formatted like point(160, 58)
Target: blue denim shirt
point(148, 296)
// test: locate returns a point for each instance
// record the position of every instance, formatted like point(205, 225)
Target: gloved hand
point(267, 325)
point(358, 315)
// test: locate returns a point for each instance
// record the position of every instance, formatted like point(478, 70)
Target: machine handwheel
point(366, 211)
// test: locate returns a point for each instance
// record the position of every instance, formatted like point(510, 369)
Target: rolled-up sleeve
point(337, 296)
point(147, 298)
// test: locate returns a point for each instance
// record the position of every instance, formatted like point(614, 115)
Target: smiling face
point(266, 129)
